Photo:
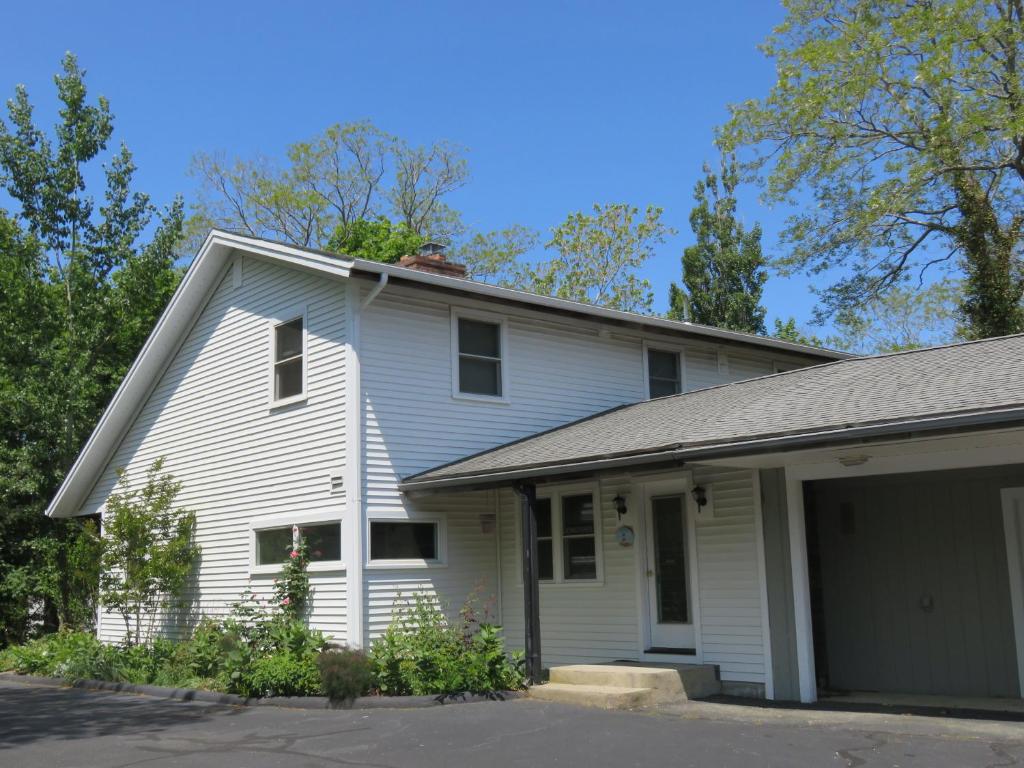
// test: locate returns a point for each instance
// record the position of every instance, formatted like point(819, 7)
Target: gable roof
point(201, 279)
point(958, 385)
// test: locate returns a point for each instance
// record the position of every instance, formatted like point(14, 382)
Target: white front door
point(670, 591)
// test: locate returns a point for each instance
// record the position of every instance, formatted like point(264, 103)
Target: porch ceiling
point(975, 385)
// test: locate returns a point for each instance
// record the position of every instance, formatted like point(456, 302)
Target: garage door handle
point(927, 603)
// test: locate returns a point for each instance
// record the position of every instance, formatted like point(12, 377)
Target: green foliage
point(788, 331)
point(291, 588)
point(598, 256)
point(724, 271)
point(83, 283)
point(282, 674)
point(351, 172)
point(905, 121)
point(149, 552)
point(376, 240)
point(496, 257)
point(422, 653)
point(345, 674)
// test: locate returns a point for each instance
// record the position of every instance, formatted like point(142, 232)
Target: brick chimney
point(430, 258)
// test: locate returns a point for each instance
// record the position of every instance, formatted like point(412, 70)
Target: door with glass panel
point(669, 581)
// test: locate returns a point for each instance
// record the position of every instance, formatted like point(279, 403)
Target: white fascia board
point(550, 302)
point(177, 319)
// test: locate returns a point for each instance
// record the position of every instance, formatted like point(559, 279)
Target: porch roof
point(970, 385)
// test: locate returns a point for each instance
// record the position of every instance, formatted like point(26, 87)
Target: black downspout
point(531, 584)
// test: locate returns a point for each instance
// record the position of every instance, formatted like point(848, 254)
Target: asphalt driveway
point(58, 728)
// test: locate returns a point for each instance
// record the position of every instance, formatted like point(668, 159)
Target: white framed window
point(569, 547)
point(288, 359)
point(479, 356)
point(404, 543)
point(663, 370)
point(273, 539)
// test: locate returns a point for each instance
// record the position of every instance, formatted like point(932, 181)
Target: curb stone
point(289, 702)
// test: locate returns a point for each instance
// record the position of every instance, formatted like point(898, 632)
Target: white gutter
point(355, 514)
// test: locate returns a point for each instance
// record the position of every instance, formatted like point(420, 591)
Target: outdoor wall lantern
point(620, 505)
point(700, 496)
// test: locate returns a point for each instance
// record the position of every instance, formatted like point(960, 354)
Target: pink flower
point(295, 553)
point(286, 601)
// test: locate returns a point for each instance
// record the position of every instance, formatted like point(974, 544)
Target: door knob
point(927, 603)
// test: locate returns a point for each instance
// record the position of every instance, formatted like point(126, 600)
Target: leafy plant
point(345, 674)
point(292, 589)
point(149, 553)
point(282, 674)
point(422, 653)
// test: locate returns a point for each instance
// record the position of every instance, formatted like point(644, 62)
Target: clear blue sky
point(561, 104)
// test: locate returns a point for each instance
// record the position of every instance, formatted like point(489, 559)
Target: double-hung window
point(479, 357)
point(568, 530)
point(289, 379)
point(664, 373)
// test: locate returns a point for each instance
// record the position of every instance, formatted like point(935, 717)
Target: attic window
point(289, 359)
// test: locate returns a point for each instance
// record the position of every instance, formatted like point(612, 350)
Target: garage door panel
point(913, 586)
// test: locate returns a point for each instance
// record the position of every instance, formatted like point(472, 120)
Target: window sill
point(470, 397)
point(387, 565)
point(285, 402)
point(321, 566)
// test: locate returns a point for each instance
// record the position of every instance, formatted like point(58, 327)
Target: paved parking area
point(62, 728)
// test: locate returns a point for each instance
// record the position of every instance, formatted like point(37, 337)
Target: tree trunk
point(991, 305)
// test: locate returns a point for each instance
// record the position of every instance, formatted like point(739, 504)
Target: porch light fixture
point(700, 496)
point(620, 505)
point(853, 461)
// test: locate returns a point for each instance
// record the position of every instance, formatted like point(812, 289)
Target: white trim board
point(1013, 525)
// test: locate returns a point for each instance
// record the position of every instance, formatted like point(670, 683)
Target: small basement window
point(663, 373)
point(289, 366)
point(479, 345)
point(404, 540)
point(274, 545)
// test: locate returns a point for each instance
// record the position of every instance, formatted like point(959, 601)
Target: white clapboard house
point(618, 487)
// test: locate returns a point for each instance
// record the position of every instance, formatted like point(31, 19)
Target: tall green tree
point(904, 121)
point(597, 257)
point(724, 271)
point(83, 283)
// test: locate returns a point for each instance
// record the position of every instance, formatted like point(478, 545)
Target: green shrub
point(281, 674)
point(71, 655)
point(422, 653)
point(345, 674)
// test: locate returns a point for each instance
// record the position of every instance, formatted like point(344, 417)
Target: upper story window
point(664, 375)
point(289, 363)
point(479, 357)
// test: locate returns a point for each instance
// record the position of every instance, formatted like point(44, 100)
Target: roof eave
point(972, 421)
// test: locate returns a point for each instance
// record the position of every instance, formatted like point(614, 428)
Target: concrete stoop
point(626, 686)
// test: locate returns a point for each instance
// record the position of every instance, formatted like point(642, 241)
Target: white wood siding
point(732, 626)
point(601, 622)
point(470, 566)
point(239, 461)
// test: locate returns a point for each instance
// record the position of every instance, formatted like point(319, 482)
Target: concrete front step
point(599, 696)
point(691, 681)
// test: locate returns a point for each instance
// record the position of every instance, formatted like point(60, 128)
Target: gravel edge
point(289, 702)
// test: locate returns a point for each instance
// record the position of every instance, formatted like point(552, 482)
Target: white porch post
point(801, 588)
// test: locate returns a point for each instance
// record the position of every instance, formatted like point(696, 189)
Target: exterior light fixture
point(853, 461)
point(620, 505)
point(700, 496)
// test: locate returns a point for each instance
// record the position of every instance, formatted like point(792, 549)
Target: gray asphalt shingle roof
point(839, 399)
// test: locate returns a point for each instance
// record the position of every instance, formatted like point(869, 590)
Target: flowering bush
point(292, 590)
